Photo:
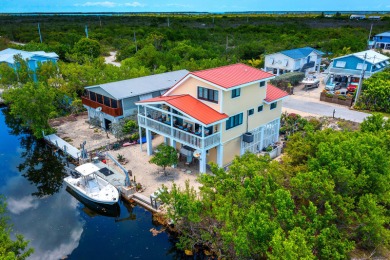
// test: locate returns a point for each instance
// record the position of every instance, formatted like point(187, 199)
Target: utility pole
point(369, 36)
point(86, 31)
point(358, 90)
point(135, 41)
point(168, 21)
point(100, 21)
point(227, 42)
point(39, 31)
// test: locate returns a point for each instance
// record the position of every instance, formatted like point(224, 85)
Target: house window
point(92, 96)
point(208, 94)
point(234, 121)
point(260, 108)
point(360, 66)
point(262, 83)
point(236, 92)
point(340, 64)
point(107, 101)
point(273, 105)
point(114, 103)
point(99, 98)
point(251, 112)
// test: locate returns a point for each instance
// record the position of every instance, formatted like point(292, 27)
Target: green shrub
point(329, 95)
point(134, 136)
point(341, 97)
point(292, 77)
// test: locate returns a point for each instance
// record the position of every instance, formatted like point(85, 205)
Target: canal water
point(56, 223)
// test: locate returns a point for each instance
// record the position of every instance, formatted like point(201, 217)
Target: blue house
point(350, 68)
point(382, 41)
point(32, 58)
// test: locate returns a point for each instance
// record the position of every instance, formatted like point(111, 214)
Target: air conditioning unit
point(247, 137)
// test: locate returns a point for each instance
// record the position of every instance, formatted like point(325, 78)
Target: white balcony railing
point(178, 134)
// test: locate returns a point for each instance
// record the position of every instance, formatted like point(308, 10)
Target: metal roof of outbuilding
point(7, 55)
point(384, 34)
point(372, 57)
point(143, 85)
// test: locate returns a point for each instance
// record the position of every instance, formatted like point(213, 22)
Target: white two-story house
point(216, 114)
point(304, 59)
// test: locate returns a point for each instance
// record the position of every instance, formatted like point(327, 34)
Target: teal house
point(33, 58)
point(350, 68)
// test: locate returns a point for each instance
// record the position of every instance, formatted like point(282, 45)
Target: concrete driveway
point(308, 102)
point(315, 106)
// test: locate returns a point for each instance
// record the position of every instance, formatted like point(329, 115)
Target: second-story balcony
point(105, 109)
point(197, 140)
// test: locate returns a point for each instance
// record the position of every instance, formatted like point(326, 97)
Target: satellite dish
point(98, 109)
point(196, 153)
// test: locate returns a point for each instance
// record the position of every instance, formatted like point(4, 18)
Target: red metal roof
point(190, 106)
point(274, 93)
point(232, 75)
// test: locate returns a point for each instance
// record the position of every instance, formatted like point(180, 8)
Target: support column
point(277, 131)
point(173, 144)
point(261, 138)
point(166, 140)
point(149, 142)
point(220, 155)
point(318, 67)
point(277, 72)
point(140, 137)
point(202, 162)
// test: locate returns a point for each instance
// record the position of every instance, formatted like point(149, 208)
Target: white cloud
point(133, 4)
point(179, 5)
point(103, 4)
point(110, 4)
point(25, 203)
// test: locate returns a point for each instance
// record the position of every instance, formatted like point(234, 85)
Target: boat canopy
point(87, 169)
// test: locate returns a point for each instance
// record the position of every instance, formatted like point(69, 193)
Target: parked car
point(352, 88)
point(335, 87)
point(342, 91)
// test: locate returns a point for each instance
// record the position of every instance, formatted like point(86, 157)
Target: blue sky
point(7, 6)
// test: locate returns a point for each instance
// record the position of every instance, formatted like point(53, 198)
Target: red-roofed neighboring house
point(216, 114)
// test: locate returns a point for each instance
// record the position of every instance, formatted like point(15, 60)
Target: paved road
point(314, 106)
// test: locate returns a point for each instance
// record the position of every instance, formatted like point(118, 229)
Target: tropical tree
point(33, 103)
point(88, 47)
point(11, 249)
point(376, 92)
point(7, 76)
point(164, 156)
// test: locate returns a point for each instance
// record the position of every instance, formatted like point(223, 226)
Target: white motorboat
point(310, 81)
point(91, 186)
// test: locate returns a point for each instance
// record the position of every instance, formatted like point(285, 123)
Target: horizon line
point(202, 12)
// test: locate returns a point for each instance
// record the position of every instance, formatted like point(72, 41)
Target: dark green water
point(56, 223)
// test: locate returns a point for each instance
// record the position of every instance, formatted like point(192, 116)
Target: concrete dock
point(67, 148)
